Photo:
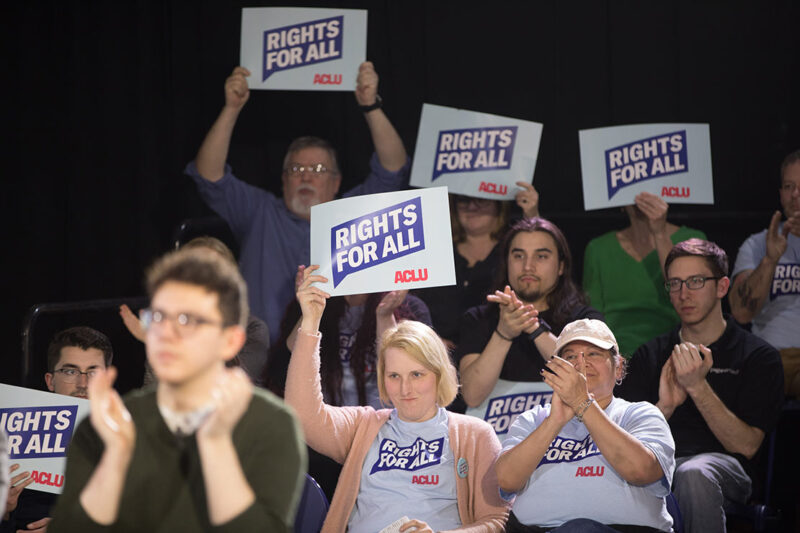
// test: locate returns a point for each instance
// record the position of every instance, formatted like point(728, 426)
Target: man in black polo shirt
point(720, 387)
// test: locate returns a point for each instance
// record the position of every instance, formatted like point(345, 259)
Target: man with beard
point(766, 278)
point(719, 387)
point(274, 233)
point(512, 337)
point(73, 357)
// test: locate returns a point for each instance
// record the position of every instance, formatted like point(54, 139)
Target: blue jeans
point(701, 485)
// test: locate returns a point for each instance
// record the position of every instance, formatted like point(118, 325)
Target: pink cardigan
point(345, 434)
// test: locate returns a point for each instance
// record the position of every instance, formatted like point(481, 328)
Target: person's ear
point(235, 337)
point(48, 378)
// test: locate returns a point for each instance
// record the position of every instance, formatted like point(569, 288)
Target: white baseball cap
point(590, 330)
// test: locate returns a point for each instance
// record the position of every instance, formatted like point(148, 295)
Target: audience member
point(513, 336)
point(253, 355)
point(350, 329)
point(720, 387)
point(401, 461)
point(205, 449)
point(766, 278)
point(585, 431)
point(623, 273)
point(477, 224)
point(74, 356)
point(274, 234)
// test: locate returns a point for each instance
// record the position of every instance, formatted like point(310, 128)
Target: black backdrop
point(107, 101)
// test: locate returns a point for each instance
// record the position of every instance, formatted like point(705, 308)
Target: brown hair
point(459, 235)
point(715, 257)
point(82, 337)
point(208, 270)
point(566, 295)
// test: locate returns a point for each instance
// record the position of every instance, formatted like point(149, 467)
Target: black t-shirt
point(447, 304)
point(523, 360)
point(747, 375)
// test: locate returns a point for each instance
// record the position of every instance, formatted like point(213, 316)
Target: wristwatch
point(544, 327)
point(377, 105)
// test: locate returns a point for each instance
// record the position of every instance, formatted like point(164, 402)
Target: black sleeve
point(641, 382)
point(475, 331)
point(761, 396)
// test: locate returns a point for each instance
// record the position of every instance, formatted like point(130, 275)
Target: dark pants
point(576, 525)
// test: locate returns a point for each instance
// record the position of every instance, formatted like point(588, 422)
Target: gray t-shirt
point(777, 321)
point(574, 479)
point(409, 471)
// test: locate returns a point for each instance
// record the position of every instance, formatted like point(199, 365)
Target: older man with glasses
point(275, 233)
point(719, 387)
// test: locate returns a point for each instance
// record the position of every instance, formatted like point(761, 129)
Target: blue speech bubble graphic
point(36, 432)
point(645, 159)
point(376, 238)
point(302, 44)
point(421, 454)
point(472, 149)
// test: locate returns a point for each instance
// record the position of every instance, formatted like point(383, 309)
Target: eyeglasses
point(186, 324)
point(296, 170)
point(72, 375)
point(464, 201)
point(572, 357)
point(789, 187)
point(692, 283)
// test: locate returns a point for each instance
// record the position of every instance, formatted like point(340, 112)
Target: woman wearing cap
point(587, 461)
point(416, 460)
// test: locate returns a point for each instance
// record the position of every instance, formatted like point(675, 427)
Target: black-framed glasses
point(72, 375)
point(692, 283)
point(296, 170)
point(185, 324)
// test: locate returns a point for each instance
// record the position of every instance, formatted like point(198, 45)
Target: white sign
point(508, 400)
point(383, 242)
point(672, 161)
point(298, 48)
point(475, 154)
point(39, 427)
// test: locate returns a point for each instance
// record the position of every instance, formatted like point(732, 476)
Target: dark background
point(107, 101)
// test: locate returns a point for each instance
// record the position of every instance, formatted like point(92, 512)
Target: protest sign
point(39, 427)
point(298, 48)
point(475, 154)
point(508, 400)
point(672, 161)
point(383, 242)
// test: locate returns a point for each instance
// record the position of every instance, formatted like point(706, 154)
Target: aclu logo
point(48, 478)
point(676, 192)
point(407, 276)
point(494, 188)
point(433, 479)
point(327, 79)
point(645, 159)
point(590, 471)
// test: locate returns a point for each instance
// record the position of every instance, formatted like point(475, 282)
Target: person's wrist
point(502, 335)
point(584, 406)
point(695, 390)
point(376, 104)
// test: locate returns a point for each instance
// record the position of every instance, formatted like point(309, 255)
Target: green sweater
point(164, 488)
point(630, 293)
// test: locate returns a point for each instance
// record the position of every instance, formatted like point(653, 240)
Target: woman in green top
point(623, 273)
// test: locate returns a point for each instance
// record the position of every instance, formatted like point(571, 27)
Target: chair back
point(312, 509)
